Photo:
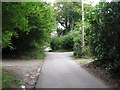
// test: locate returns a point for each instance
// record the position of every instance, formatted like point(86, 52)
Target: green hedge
point(105, 31)
point(68, 42)
point(78, 47)
point(56, 43)
point(64, 42)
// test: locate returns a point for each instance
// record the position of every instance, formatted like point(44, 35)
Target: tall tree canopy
point(67, 14)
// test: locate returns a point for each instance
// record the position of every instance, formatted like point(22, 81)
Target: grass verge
point(83, 60)
point(8, 81)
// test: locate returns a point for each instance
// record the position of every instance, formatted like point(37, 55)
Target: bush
point(26, 29)
point(78, 47)
point(56, 43)
point(68, 42)
point(104, 35)
point(87, 51)
point(65, 42)
point(35, 54)
point(105, 31)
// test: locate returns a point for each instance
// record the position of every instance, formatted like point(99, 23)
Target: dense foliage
point(78, 47)
point(68, 41)
point(67, 14)
point(65, 42)
point(56, 43)
point(105, 31)
point(26, 26)
point(79, 51)
point(104, 34)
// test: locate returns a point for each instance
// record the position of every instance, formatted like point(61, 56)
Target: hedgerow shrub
point(105, 31)
point(64, 42)
point(78, 47)
point(68, 41)
point(56, 43)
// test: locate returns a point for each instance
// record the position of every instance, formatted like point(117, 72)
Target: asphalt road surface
point(60, 71)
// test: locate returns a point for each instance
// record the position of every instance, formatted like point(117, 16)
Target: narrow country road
point(60, 71)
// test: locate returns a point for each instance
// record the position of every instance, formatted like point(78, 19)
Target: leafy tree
point(105, 31)
point(67, 13)
point(65, 42)
point(13, 17)
point(27, 25)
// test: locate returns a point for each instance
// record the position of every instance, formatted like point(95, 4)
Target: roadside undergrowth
point(8, 80)
point(107, 72)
